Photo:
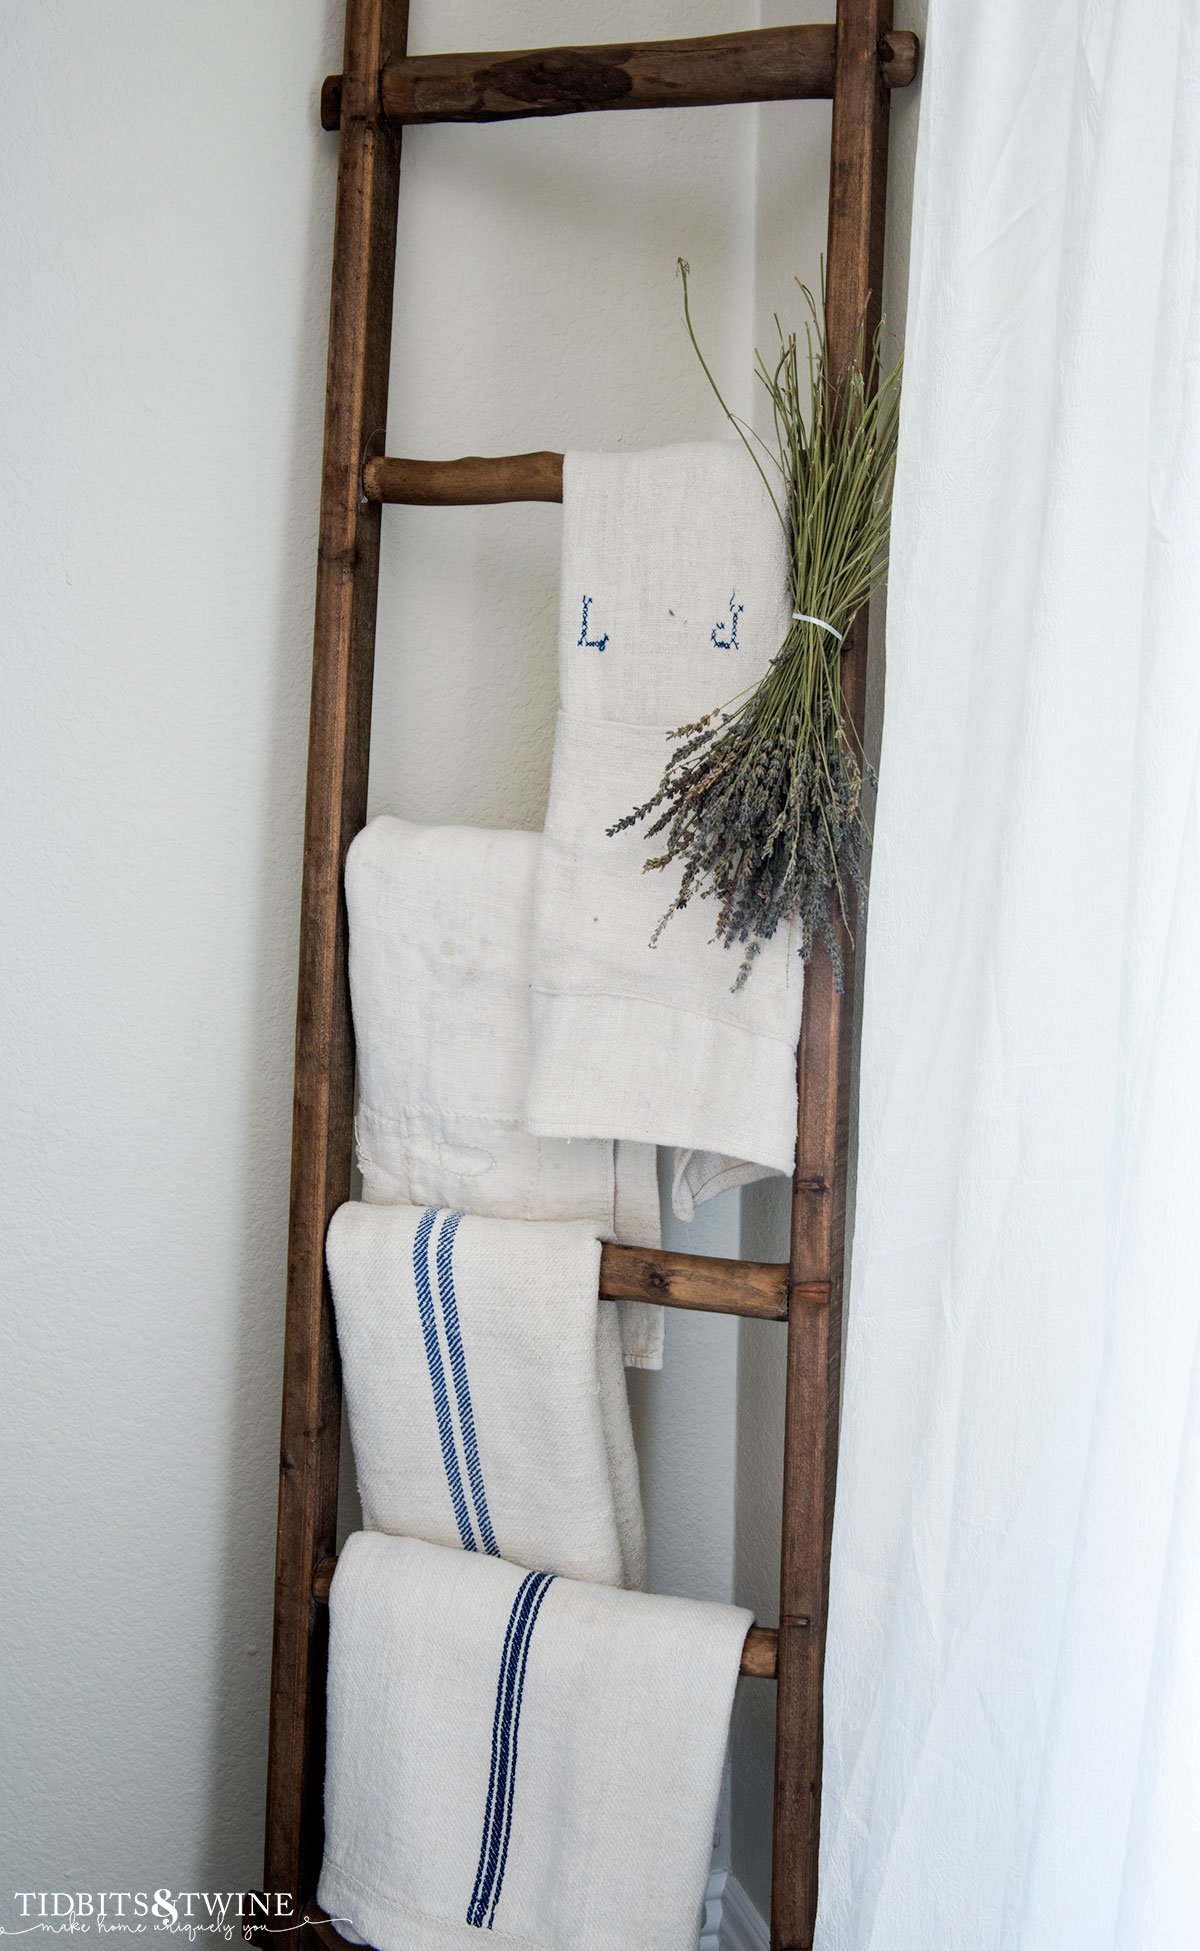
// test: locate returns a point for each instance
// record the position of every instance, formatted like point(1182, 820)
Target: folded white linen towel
point(519, 1754)
point(440, 928)
point(673, 602)
point(485, 1389)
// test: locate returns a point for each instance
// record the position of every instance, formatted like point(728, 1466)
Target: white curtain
point(1013, 1683)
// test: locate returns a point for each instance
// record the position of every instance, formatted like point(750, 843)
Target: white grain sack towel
point(440, 927)
point(674, 600)
point(485, 1389)
point(519, 1754)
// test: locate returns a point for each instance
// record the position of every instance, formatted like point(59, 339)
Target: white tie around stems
point(798, 616)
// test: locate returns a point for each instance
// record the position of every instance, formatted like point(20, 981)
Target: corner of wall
point(757, 1540)
point(791, 163)
point(791, 178)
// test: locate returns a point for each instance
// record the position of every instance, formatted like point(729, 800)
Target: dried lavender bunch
point(762, 800)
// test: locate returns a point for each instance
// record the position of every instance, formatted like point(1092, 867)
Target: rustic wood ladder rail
point(856, 64)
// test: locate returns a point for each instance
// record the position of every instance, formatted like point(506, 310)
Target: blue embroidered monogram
point(458, 1369)
point(586, 642)
point(735, 611)
point(506, 1723)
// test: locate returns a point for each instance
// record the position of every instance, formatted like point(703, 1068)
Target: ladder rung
point(758, 1288)
point(768, 64)
point(474, 479)
point(760, 1654)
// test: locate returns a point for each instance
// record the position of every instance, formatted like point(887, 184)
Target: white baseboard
point(710, 1929)
point(738, 1924)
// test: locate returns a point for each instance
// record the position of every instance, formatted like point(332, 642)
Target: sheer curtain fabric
point(1013, 1679)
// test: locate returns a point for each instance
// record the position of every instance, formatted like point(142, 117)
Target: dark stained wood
point(763, 65)
point(323, 1579)
point(758, 1653)
point(474, 479)
point(854, 261)
point(750, 1287)
point(339, 737)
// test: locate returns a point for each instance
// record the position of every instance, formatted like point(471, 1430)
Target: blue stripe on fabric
point(494, 1776)
point(437, 1377)
point(497, 1821)
point(516, 1732)
point(462, 1386)
point(510, 1688)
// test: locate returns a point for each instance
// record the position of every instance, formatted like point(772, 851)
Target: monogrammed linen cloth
point(673, 602)
point(518, 1754)
point(441, 922)
point(485, 1389)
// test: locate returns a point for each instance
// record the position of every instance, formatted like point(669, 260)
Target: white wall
point(166, 224)
point(165, 247)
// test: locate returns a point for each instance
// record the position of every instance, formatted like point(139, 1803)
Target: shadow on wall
point(684, 1423)
point(762, 1372)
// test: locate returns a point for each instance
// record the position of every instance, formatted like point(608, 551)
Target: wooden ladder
point(378, 92)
